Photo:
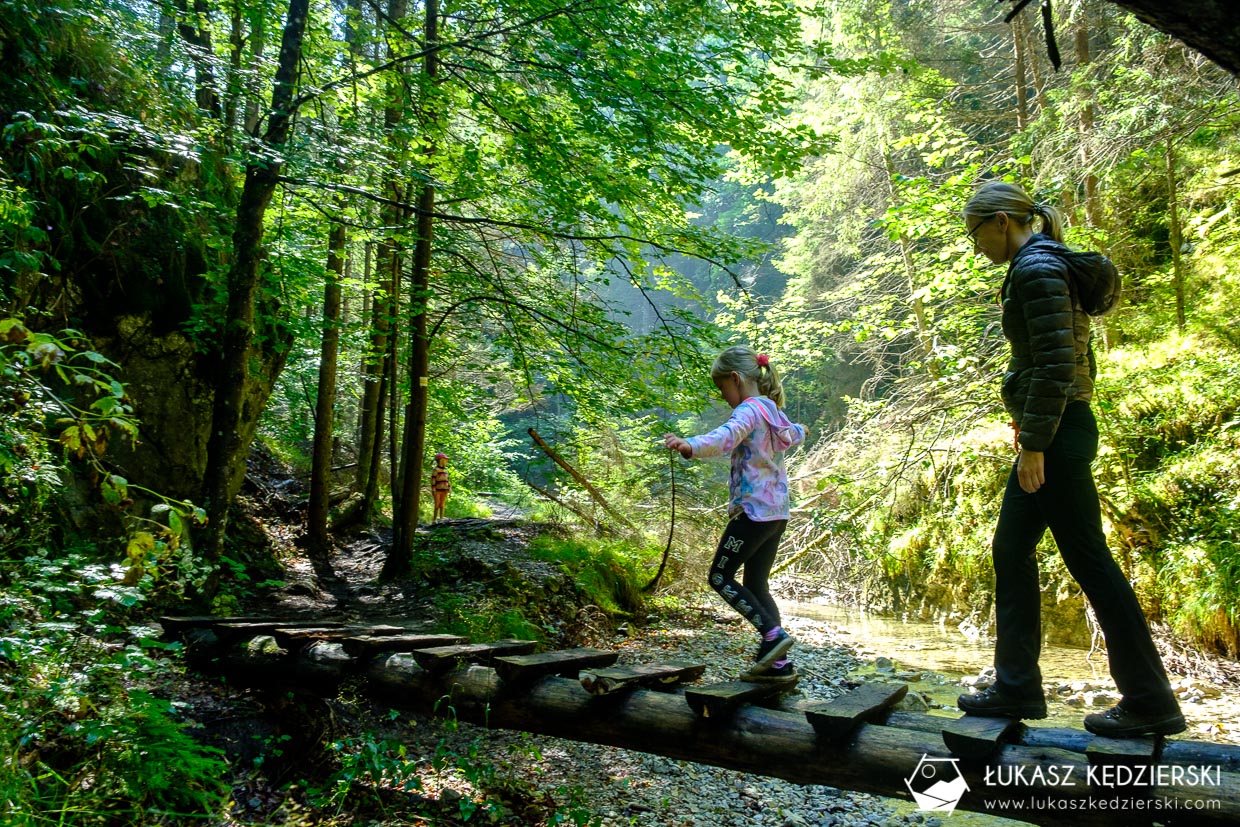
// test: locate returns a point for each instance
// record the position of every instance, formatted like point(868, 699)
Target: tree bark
point(239, 400)
point(1173, 218)
point(405, 520)
point(1019, 73)
point(1093, 209)
point(198, 37)
point(324, 410)
point(871, 757)
point(1020, 25)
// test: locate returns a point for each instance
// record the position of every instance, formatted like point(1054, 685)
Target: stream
point(933, 658)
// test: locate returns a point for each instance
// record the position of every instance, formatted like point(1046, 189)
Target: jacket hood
point(783, 431)
point(1094, 277)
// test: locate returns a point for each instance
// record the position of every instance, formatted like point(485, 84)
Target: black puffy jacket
point(1052, 362)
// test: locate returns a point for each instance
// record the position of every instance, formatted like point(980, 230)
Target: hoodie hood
point(784, 433)
point(1092, 276)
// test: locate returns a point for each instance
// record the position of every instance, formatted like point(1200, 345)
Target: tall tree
point(405, 516)
point(325, 404)
point(239, 395)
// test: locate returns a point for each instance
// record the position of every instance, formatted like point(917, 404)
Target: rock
point(913, 702)
point(883, 664)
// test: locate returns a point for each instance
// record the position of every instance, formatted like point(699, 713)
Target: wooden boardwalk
point(857, 741)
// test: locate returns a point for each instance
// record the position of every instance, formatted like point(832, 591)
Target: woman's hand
point(1030, 470)
point(674, 443)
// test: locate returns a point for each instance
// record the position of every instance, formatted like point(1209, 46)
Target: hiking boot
point(1118, 722)
point(772, 674)
point(996, 703)
point(770, 651)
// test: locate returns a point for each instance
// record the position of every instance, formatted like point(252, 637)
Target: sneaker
point(771, 674)
point(996, 703)
point(770, 651)
point(1118, 722)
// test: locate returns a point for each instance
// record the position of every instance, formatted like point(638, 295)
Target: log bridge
point(857, 741)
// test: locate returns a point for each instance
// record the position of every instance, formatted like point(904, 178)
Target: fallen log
point(594, 493)
point(1043, 775)
point(877, 759)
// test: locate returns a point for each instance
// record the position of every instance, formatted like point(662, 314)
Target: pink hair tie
point(763, 360)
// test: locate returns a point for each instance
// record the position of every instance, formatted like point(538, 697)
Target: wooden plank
point(526, 668)
point(176, 625)
point(649, 675)
point(1106, 751)
point(368, 645)
point(722, 699)
point(976, 737)
point(297, 635)
point(868, 703)
point(229, 631)
point(443, 658)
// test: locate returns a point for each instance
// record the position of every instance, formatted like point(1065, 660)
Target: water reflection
point(941, 647)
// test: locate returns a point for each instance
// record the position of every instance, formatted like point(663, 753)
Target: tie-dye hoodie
point(757, 434)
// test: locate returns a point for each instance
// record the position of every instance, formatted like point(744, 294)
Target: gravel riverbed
point(624, 787)
point(615, 787)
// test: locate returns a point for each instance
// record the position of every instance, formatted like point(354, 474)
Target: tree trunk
point(405, 518)
point(388, 266)
point(1019, 73)
point(846, 742)
point(594, 493)
point(1093, 209)
point(239, 396)
point(377, 367)
point(1020, 25)
point(1173, 217)
point(198, 37)
point(391, 408)
point(924, 342)
point(324, 419)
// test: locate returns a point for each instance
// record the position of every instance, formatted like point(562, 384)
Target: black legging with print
point(752, 545)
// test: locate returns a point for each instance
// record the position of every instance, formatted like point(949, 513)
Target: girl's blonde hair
point(1001, 197)
point(744, 361)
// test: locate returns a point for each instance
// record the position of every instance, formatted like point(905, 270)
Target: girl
point(440, 485)
point(756, 435)
point(1047, 390)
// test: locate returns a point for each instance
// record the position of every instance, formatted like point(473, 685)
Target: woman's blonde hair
point(1001, 197)
point(753, 366)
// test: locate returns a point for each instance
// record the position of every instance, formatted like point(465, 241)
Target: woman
point(1047, 389)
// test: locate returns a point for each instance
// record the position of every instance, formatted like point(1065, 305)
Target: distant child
point(756, 436)
point(440, 485)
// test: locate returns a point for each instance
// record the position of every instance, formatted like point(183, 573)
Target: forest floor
point(303, 760)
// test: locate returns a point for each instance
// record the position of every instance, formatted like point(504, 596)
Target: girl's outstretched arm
point(674, 443)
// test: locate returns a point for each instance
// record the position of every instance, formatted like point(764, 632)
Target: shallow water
point(946, 654)
point(941, 647)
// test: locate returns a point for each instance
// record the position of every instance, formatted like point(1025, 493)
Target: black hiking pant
point(752, 545)
point(1067, 503)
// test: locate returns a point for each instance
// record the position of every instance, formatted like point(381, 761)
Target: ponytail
point(1052, 220)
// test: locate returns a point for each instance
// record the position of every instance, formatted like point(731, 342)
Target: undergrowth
point(89, 735)
point(923, 508)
